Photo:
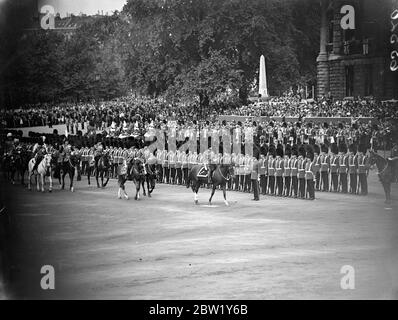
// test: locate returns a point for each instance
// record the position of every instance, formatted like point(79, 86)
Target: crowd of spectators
point(130, 116)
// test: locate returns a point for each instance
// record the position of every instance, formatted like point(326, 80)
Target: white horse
point(43, 168)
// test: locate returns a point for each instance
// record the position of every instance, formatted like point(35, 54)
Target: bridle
point(225, 178)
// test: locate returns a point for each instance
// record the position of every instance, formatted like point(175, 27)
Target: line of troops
point(286, 171)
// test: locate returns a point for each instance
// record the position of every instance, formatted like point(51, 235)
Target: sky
point(88, 7)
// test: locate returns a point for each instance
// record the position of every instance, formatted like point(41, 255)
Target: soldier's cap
point(301, 150)
point(316, 149)
point(362, 148)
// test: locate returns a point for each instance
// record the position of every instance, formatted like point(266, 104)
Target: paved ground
point(168, 248)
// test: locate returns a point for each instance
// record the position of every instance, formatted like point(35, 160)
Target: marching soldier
point(287, 170)
point(334, 167)
point(310, 173)
point(294, 172)
point(324, 160)
point(279, 170)
point(301, 171)
point(363, 169)
point(353, 169)
point(343, 168)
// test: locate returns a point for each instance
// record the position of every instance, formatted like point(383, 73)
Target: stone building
point(356, 62)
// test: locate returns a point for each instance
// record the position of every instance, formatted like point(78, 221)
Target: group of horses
point(138, 171)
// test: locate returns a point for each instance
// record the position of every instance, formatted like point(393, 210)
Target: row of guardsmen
point(291, 171)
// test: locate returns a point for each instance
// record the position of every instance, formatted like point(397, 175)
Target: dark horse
point(220, 176)
point(136, 171)
point(150, 178)
point(102, 168)
point(69, 167)
point(19, 164)
point(385, 172)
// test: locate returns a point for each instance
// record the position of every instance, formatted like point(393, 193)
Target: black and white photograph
point(201, 150)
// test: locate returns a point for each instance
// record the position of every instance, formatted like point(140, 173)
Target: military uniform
point(334, 168)
point(263, 163)
point(363, 169)
point(287, 171)
point(353, 169)
point(310, 167)
point(254, 178)
point(279, 170)
point(301, 172)
point(271, 171)
point(294, 172)
point(324, 159)
point(343, 168)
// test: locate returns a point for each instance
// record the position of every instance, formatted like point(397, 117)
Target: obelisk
point(262, 88)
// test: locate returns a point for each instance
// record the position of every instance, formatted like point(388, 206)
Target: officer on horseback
point(39, 151)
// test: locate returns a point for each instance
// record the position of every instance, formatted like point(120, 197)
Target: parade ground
point(166, 247)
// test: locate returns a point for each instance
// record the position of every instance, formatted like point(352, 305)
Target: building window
point(369, 80)
point(349, 81)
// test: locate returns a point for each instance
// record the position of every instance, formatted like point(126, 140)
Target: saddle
point(203, 173)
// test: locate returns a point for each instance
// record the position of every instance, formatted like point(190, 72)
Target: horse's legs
point(51, 183)
point(107, 178)
point(224, 191)
point(195, 189)
point(29, 179)
point(213, 190)
point(137, 189)
point(63, 179)
point(42, 179)
point(143, 187)
point(147, 184)
point(71, 177)
point(88, 174)
point(96, 177)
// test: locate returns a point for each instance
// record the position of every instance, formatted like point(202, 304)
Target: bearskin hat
point(279, 150)
point(271, 150)
point(334, 148)
point(316, 149)
point(352, 148)
point(295, 150)
point(324, 148)
point(301, 150)
point(343, 148)
point(362, 148)
point(310, 151)
point(288, 150)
